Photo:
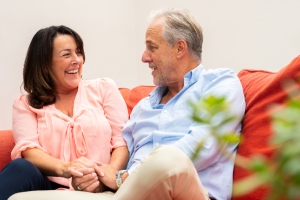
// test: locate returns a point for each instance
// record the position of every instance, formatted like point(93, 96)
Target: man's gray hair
point(181, 24)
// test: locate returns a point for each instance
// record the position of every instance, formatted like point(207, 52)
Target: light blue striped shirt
point(152, 124)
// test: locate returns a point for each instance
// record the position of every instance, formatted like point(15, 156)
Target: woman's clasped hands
point(90, 176)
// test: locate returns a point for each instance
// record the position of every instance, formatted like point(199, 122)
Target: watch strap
point(119, 177)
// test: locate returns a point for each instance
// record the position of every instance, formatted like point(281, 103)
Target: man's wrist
point(124, 176)
point(119, 179)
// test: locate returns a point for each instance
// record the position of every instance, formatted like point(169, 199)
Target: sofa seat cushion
point(61, 194)
point(261, 89)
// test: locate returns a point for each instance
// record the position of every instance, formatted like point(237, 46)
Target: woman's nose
point(76, 58)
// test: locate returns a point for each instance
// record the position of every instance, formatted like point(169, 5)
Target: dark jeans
point(21, 175)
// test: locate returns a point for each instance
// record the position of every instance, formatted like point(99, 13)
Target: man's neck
point(171, 91)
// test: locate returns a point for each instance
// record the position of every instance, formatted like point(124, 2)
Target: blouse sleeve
point(115, 110)
point(24, 127)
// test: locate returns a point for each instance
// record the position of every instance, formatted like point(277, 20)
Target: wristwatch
point(119, 177)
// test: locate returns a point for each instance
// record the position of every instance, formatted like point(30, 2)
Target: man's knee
point(168, 157)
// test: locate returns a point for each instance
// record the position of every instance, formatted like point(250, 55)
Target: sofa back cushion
point(133, 96)
point(261, 90)
point(6, 145)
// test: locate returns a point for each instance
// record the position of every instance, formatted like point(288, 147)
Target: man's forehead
point(153, 35)
point(153, 40)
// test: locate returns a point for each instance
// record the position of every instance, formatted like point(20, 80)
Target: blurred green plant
point(214, 111)
point(281, 172)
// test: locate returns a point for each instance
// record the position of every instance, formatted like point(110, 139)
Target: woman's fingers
point(99, 171)
point(75, 172)
point(91, 185)
point(84, 175)
point(83, 162)
point(87, 182)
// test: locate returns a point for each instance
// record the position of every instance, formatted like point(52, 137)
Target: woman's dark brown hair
point(37, 74)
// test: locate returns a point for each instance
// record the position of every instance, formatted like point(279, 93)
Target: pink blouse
point(94, 130)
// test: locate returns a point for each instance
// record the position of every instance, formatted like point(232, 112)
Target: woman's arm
point(116, 113)
point(26, 136)
point(51, 166)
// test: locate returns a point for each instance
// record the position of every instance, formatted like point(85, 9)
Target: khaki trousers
point(165, 174)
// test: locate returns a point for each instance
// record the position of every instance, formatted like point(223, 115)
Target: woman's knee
point(21, 175)
point(23, 166)
point(20, 164)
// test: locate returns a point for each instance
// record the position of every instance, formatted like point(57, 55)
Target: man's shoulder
point(221, 71)
point(218, 73)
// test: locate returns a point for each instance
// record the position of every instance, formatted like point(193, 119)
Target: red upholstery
point(261, 90)
point(125, 92)
point(6, 145)
point(136, 94)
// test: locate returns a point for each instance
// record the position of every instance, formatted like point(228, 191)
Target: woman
point(65, 126)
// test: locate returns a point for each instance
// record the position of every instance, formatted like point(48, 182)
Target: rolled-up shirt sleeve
point(115, 111)
point(24, 127)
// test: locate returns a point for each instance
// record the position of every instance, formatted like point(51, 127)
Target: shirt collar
point(189, 79)
point(192, 76)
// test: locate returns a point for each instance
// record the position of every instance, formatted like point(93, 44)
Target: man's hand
point(109, 179)
point(95, 179)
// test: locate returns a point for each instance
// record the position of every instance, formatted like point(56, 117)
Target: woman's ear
point(181, 47)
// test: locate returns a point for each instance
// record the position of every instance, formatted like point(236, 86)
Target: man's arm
point(231, 89)
point(118, 161)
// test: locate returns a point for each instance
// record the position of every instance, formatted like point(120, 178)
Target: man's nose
point(146, 57)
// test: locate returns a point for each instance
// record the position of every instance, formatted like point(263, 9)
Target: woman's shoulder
point(99, 82)
point(21, 98)
point(21, 102)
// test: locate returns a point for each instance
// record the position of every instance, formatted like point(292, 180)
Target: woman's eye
point(66, 54)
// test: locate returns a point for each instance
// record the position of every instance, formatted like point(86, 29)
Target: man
point(161, 135)
point(173, 53)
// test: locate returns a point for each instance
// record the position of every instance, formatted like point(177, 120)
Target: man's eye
point(152, 48)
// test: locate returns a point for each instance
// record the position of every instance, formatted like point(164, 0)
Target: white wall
point(260, 34)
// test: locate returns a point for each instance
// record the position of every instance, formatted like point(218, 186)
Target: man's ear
point(181, 47)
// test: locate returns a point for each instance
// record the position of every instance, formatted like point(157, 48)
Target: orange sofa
point(261, 89)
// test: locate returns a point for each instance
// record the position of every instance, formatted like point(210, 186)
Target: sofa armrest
point(6, 145)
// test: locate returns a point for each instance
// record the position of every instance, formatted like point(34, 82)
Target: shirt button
point(156, 144)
